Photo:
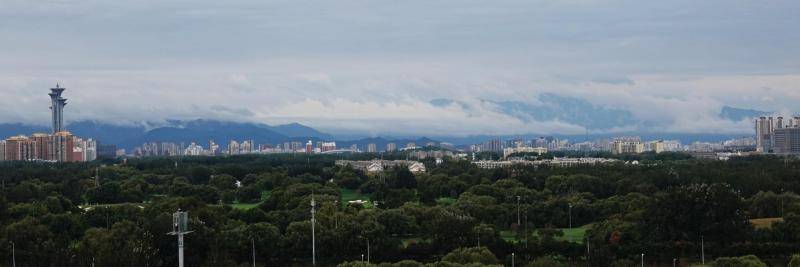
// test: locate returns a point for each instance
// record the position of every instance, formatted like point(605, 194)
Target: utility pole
point(180, 222)
point(253, 241)
point(313, 234)
point(367, 250)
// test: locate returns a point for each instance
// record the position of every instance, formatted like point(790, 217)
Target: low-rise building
point(374, 166)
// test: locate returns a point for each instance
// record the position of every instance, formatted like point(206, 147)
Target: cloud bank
point(374, 66)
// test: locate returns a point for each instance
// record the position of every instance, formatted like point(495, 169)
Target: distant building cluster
point(234, 147)
point(774, 135)
point(375, 166)
point(57, 146)
point(556, 162)
point(244, 147)
point(617, 146)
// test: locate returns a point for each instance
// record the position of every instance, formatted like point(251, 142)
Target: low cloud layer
point(373, 66)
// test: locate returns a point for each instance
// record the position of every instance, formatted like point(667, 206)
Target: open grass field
point(577, 234)
point(350, 195)
point(93, 206)
point(247, 206)
point(445, 201)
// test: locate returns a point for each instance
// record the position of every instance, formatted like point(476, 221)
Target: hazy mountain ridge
point(738, 114)
point(200, 131)
point(581, 112)
point(553, 107)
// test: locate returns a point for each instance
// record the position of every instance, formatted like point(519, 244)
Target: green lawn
point(350, 195)
point(92, 206)
point(577, 235)
point(445, 201)
point(247, 206)
point(508, 236)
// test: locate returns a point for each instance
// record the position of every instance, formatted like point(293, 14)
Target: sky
point(373, 66)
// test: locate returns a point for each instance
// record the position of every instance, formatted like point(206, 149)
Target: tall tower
point(57, 108)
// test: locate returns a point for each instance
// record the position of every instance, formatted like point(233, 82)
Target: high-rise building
point(90, 150)
point(391, 147)
point(494, 145)
point(19, 148)
point(309, 147)
point(627, 145)
point(106, 151)
point(657, 146)
point(786, 140)
point(193, 150)
point(298, 146)
point(213, 148)
point(411, 145)
point(42, 146)
point(57, 108)
point(328, 146)
point(763, 134)
point(62, 147)
point(246, 147)
point(2, 150)
point(773, 136)
point(372, 148)
point(233, 148)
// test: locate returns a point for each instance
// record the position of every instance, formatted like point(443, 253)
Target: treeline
point(118, 213)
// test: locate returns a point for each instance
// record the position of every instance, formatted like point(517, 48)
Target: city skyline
point(411, 68)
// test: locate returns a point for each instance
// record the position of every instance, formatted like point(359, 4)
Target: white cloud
point(374, 65)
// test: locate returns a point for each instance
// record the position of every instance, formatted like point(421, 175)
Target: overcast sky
point(373, 65)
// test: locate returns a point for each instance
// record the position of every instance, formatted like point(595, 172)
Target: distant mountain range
point(578, 111)
point(200, 131)
point(550, 107)
point(738, 114)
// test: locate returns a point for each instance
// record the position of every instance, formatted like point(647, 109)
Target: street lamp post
point(588, 253)
point(526, 229)
point(702, 250)
point(674, 261)
point(313, 234)
point(642, 259)
point(570, 216)
point(518, 220)
point(13, 254)
point(781, 197)
point(253, 242)
point(512, 259)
